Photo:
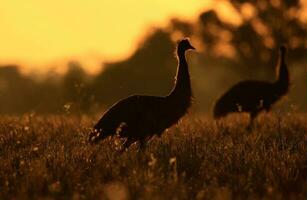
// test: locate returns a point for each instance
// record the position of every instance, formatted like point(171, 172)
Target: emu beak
point(191, 47)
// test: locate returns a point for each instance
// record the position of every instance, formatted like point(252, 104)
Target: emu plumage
point(140, 117)
point(254, 96)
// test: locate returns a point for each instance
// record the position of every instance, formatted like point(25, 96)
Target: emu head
point(184, 45)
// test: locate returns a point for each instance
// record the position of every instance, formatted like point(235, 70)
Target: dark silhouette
point(254, 96)
point(138, 118)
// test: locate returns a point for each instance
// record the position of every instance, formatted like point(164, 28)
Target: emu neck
point(282, 82)
point(182, 89)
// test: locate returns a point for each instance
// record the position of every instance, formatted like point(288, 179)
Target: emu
point(255, 96)
point(138, 117)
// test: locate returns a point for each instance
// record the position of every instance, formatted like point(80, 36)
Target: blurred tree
point(149, 70)
point(76, 90)
point(266, 25)
point(17, 93)
point(179, 29)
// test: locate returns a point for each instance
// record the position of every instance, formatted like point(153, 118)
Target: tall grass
point(48, 157)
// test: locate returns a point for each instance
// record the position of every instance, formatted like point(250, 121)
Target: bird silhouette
point(255, 96)
point(139, 117)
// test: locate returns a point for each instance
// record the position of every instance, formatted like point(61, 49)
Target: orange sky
point(43, 34)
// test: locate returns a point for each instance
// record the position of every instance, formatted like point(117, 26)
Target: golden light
point(48, 33)
point(39, 35)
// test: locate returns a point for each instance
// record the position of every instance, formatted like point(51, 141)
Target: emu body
point(139, 117)
point(254, 96)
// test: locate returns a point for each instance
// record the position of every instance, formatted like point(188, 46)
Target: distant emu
point(254, 96)
point(138, 118)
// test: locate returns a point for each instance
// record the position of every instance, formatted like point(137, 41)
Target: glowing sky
point(43, 33)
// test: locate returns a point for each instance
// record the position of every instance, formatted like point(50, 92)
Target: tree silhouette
point(272, 24)
point(148, 71)
point(75, 88)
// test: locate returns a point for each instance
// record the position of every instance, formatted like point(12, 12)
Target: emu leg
point(127, 144)
point(218, 122)
point(251, 125)
point(143, 144)
point(159, 134)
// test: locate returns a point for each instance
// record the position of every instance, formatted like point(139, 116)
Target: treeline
point(227, 53)
point(146, 72)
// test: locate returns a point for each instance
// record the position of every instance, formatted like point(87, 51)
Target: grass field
point(48, 157)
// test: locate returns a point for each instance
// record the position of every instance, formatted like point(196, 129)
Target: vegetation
point(48, 157)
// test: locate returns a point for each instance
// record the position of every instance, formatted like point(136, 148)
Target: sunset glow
point(43, 34)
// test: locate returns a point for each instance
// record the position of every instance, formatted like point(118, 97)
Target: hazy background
point(76, 57)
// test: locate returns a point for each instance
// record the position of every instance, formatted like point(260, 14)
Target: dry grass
point(48, 157)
